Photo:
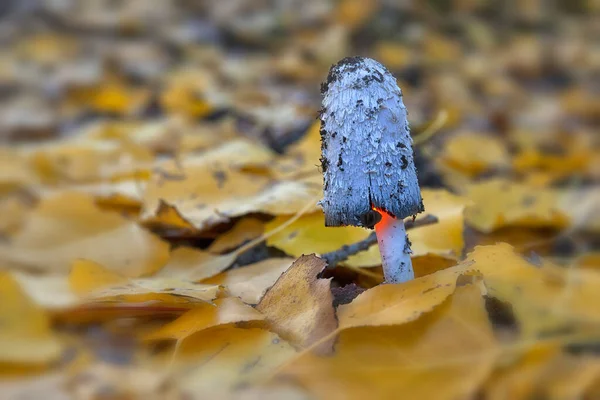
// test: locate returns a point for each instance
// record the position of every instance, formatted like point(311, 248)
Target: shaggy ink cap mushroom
point(367, 156)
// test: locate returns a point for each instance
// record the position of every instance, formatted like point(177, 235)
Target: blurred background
point(506, 88)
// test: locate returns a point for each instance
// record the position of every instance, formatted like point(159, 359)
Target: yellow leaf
point(309, 234)
point(444, 238)
point(245, 230)
point(499, 203)
point(194, 264)
point(184, 100)
point(301, 158)
point(250, 282)
point(206, 196)
point(68, 225)
point(87, 276)
point(49, 291)
point(219, 360)
point(445, 354)
point(116, 98)
point(224, 311)
point(400, 303)
point(25, 332)
point(472, 153)
point(13, 211)
point(544, 298)
point(299, 307)
point(79, 161)
point(96, 283)
point(15, 170)
point(393, 55)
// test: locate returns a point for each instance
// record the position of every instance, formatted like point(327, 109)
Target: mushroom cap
point(367, 157)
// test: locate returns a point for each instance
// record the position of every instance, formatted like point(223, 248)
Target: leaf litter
point(159, 184)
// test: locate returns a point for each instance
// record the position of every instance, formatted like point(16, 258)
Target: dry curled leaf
point(299, 307)
point(26, 336)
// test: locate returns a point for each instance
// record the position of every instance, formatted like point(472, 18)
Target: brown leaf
point(300, 305)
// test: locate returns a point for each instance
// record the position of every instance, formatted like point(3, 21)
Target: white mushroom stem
point(394, 248)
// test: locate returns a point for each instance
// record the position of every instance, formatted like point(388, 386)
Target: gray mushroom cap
point(367, 157)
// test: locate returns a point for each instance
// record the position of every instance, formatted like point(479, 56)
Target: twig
point(337, 256)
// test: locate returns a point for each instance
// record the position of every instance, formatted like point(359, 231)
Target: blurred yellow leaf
point(444, 238)
point(68, 225)
point(95, 283)
point(250, 282)
point(246, 229)
point(545, 371)
point(15, 170)
point(445, 354)
point(81, 161)
point(394, 55)
point(544, 298)
point(310, 235)
point(14, 211)
point(218, 360)
point(185, 101)
point(206, 196)
point(26, 336)
point(117, 98)
point(499, 203)
point(224, 311)
point(299, 307)
point(474, 153)
point(49, 291)
point(194, 264)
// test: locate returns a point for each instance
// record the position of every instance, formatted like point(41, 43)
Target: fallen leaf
point(498, 203)
point(121, 381)
point(400, 303)
point(220, 360)
point(49, 291)
point(309, 234)
point(545, 371)
point(445, 354)
point(206, 196)
point(96, 283)
point(15, 170)
point(81, 161)
point(50, 387)
point(224, 311)
point(444, 238)
point(26, 336)
point(194, 264)
point(245, 230)
point(544, 298)
point(250, 282)
point(299, 307)
point(13, 211)
point(475, 153)
point(69, 225)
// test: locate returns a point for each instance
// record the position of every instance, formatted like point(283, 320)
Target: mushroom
point(370, 179)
